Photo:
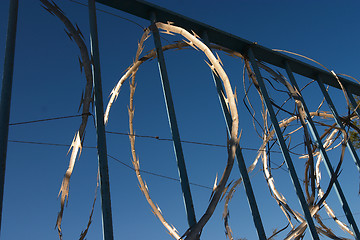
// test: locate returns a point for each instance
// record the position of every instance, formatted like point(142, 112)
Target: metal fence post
point(185, 187)
point(6, 93)
point(325, 157)
point(284, 148)
point(338, 121)
point(352, 101)
point(239, 156)
point(100, 128)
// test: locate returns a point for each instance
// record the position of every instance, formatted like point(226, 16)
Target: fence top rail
point(144, 9)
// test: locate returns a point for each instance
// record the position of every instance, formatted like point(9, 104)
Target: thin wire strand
point(330, 218)
point(112, 157)
point(115, 159)
point(48, 144)
point(185, 141)
point(93, 147)
point(127, 134)
point(118, 16)
point(144, 171)
point(48, 119)
point(115, 15)
point(156, 174)
point(136, 135)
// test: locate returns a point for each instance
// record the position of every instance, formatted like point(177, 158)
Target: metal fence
point(210, 35)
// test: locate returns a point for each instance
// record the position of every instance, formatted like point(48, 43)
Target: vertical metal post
point(6, 93)
point(174, 128)
point(100, 128)
point(338, 121)
point(327, 162)
point(353, 101)
point(239, 156)
point(283, 146)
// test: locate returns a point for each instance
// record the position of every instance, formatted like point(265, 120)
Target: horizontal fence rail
point(144, 9)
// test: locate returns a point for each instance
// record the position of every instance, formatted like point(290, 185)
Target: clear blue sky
point(48, 83)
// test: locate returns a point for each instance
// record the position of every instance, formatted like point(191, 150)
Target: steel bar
point(239, 156)
point(185, 187)
point(325, 157)
point(100, 128)
point(143, 9)
point(283, 146)
point(6, 93)
point(338, 121)
point(353, 101)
